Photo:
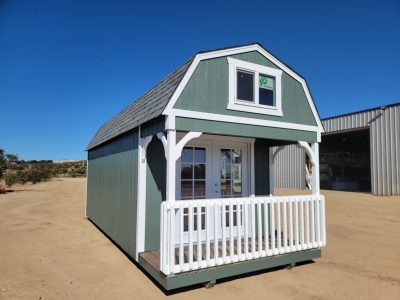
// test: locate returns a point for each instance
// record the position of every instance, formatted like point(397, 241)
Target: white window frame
point(254, 107)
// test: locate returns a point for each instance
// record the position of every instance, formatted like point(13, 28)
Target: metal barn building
point(359, 151)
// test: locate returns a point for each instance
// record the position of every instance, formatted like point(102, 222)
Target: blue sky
point(66, 67)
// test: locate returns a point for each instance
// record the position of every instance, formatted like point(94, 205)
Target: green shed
point(182, 178)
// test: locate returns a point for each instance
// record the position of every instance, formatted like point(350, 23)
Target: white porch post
point(171, 168)
point(141, 193)
point(315, 171)
point(271, 170)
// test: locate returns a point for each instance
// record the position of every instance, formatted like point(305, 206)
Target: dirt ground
point(49, 250)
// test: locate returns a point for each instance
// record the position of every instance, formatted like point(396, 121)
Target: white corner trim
point(189, 136)
point(141, 193)
point(164, 141)
point(241, 120)
point(233, 51)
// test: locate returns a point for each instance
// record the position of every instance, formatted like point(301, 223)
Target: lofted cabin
point(182, 179)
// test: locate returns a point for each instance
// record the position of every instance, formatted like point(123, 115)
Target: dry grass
point(48, 250)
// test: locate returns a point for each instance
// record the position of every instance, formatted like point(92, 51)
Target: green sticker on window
point(266, 82)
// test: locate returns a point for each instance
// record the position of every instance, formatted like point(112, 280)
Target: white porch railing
point(237, 229)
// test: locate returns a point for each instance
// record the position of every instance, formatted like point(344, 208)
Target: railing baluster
point(296, 223)
point(308, 221)
point(253, 229)
point(259, 228)
point(246, 228)
point(239, 229)
point(207, 217)
point(199, 244)
point(314, 244)
point(181, 233)
point(190, 233)
point(319, 243)
point(231, 245)
point(273, 245)
point(302, 246)
point(216, 226)
point(285, 237)
point(292, 248)
point(266, 227)
point(323, 220)
point(278, 220)
point(223, 233)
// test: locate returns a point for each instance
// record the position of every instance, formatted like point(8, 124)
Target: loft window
point(266, 87)
point(254, 88)
point(245, 86)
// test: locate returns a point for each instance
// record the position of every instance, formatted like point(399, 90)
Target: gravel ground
point(49, 250)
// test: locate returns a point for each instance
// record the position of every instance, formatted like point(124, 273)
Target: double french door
point(211, 170)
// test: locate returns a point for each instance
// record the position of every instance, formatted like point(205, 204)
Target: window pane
point(199, 189)
point(186, 189)
point(187, 154)
point(266, 90)
point(245, 86)
point(225, 156)
point(186, 172)
point(200, 155)
point(226, 188)
point(200, 171)
point(237, 156)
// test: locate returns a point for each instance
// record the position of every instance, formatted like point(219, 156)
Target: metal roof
point(145, 108)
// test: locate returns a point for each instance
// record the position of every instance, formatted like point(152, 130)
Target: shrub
point(10, 179)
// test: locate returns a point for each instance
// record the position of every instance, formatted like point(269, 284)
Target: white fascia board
point(233, 51)
point(241, 120)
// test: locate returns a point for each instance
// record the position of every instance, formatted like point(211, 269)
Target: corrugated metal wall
point(384, 128)
point(385, 152)
point(112, 190)
point(289, 168)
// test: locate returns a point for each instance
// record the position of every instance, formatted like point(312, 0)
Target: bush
point(10, 179)
point(38, 175)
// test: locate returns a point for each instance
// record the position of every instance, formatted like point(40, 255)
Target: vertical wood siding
point(112, 190)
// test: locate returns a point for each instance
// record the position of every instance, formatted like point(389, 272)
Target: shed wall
point(384, 128)
point(289, 168)
point(385, 152)
point(112, 190)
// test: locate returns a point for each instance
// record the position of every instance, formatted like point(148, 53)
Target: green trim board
point(244, 130)
point(208, 91)
point(226, 271)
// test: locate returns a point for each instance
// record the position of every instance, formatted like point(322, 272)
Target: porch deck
point(150, 262)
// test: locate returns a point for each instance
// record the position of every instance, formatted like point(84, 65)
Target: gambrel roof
point(145, 108)
point(161, 98)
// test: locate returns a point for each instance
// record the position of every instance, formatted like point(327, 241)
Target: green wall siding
point(185, 124)
point(207, 91)
point(112, 190)
point(155, 192)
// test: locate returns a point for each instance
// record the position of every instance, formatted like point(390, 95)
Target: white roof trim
point(233, 51)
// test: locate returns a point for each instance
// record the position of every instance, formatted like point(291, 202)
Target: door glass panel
point(231, 173)
point(193, 182)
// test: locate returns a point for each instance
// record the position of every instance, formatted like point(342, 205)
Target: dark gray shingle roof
point(145, 108)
